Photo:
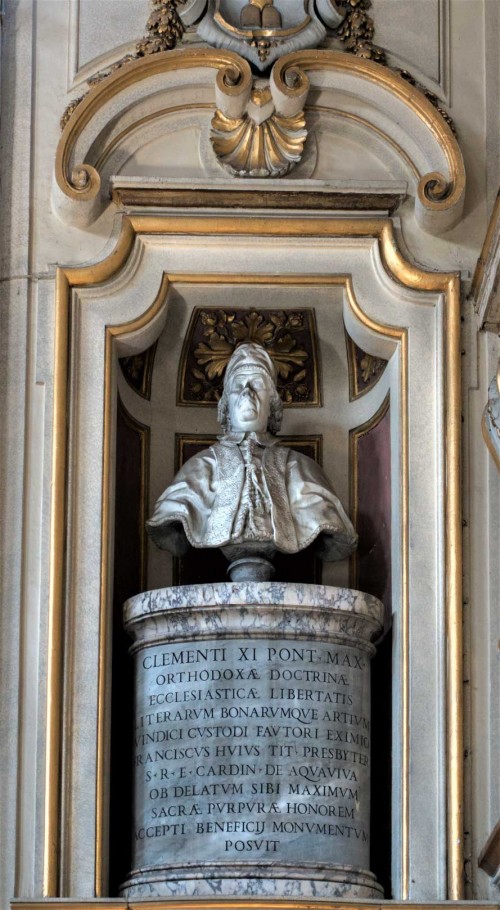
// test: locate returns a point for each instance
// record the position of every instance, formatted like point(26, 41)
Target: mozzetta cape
point(205, 495)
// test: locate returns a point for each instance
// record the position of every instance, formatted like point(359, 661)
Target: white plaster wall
point(55, 26)
point(96, 40)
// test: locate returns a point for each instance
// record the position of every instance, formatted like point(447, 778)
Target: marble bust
point(247, 494)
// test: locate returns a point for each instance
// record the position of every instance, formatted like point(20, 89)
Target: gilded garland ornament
point(357, 30)
point(72, 106)
point(261, 29)
point(164, 28)
point(137, 370)
point(434, 100)
point(364, 369)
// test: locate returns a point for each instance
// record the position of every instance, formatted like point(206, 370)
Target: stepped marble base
point(345, 883)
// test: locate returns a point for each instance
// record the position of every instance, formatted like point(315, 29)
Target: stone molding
point(241, 904)
point(485, 293)
point(90, 144)
point(491, 418)
point(310, 611)
point(108, 323)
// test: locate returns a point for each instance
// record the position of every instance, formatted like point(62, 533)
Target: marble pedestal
point(252, 739)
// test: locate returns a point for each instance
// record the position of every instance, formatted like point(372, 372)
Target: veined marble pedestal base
point(294, 882)
point(252, 741)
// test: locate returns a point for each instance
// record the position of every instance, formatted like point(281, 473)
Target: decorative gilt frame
point(409, 276)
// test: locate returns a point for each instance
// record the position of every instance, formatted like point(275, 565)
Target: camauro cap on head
point(250, 358)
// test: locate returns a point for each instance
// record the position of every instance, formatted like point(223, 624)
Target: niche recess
point(157, 430)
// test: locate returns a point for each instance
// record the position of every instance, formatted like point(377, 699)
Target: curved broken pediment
point(399, 134)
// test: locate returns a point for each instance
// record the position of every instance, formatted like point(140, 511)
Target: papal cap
point(250, 358)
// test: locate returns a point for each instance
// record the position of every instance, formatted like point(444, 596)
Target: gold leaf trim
point(410, 276)
point(249, 149)
point(138, 371)
point(364, 369)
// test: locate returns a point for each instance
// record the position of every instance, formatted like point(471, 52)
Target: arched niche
point(160, 266)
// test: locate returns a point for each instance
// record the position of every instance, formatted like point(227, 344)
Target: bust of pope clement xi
point(248, 493)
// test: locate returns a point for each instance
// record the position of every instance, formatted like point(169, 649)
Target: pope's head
point(250, 401)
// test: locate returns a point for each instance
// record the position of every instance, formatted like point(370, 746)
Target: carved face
point(249, 401)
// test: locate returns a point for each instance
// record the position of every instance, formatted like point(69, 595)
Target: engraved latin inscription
point(252, 751)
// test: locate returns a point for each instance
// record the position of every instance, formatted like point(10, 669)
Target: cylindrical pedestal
point(252, 738)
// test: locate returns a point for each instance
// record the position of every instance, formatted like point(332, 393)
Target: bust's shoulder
point(307, 466)
point(199, 461)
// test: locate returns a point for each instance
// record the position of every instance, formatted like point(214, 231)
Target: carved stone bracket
point(260, 132)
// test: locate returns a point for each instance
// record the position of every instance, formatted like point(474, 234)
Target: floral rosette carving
point(288, 336)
